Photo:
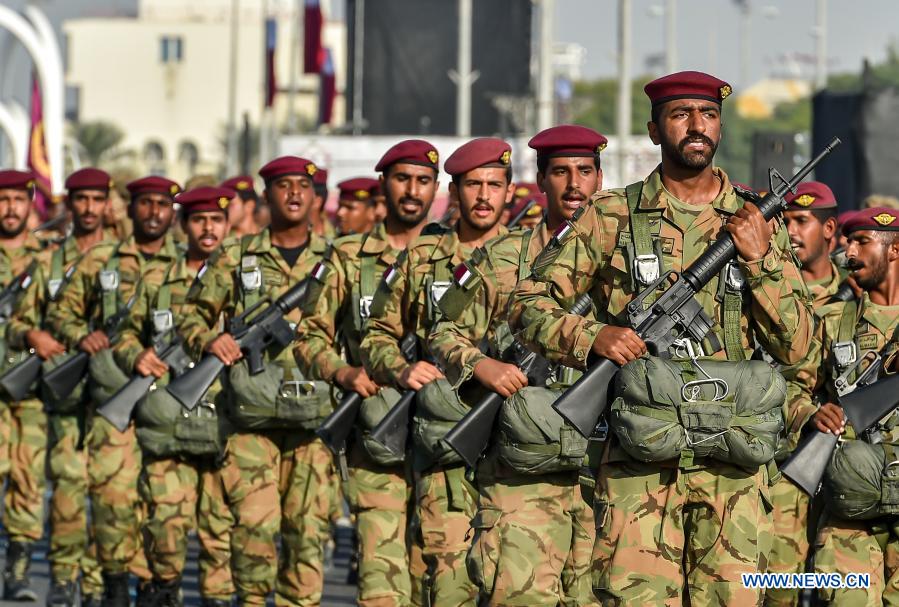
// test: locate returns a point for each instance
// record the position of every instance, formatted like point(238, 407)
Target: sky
point(708, 34)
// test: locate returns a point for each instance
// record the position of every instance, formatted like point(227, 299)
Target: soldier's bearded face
point(205, 231)
point(809, 237)
point(14, 208)
point(482, 195)
point(152, 215)
point(688, 131)
point(868, 255)
point(88, 208)
point(290, 200)
point(568, 183)
point(410, 190)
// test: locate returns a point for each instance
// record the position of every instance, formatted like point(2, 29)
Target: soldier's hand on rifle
point(829, 418)
point(356, 379)
point(148, 363)
point(94, 342)
point(225, 348)
point(503, 378)
point(417, 375)
point(45, 346)
point(621, 345)
point(751, 233)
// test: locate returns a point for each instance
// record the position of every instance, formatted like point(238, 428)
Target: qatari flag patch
point(462, 274)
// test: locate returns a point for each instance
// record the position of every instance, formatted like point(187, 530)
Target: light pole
point(545, 79)
point(821, 45)
point(463, 76)
point(231, 160)
point(624, 86)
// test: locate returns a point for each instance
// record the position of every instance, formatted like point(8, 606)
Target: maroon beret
point(811, 195)
point(320, 177)
point(882, 219)
point(523, 189)
point(89, 179)
point(568, 140)
point(153, 185)
point(687, 85)
point(359, 188)
point(537, 209)
point(843, 217)
point(480, 152)
point(288, 165)
point(239, 183)
point(411, 151)
point(205, 198)
point(16, 180)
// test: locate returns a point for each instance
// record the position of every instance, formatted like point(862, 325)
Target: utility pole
point(358, 69)
point(463, 76)
point(624, 86)
point(671, 36)
point(821, 46)
point(231, 160)
point(745, 51)
point(265, 115)
point(294, 55)
point(545, 116)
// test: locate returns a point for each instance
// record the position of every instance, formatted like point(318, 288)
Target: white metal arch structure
point(14, 123)
point(40, 42)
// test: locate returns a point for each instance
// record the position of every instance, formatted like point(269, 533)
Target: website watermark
point(806, 580)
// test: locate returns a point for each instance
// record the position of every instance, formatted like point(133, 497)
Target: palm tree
point(99, 140)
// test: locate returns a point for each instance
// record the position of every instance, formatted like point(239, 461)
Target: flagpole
point(294, 54)
point(231, 160)
point(358, 73)
point(265, 114)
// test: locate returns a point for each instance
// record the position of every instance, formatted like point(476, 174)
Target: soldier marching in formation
point(244, 383)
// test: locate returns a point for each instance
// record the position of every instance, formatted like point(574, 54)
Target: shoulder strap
point(368, 276)
point(646, 264)
point(848, 321)
point(524, 268)
point(110, 298)
point(250, 274)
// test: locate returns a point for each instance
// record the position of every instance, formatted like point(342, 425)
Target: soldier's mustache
point(695, 139)
point(854, 264)
point(409, 199)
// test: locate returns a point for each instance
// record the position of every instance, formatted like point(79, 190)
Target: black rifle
point(117, 410)
point(676, 312)
point(336, 428)
point(17, 382)
point(392, 432)
point(470, 437)
point(864, 402)
point(844, 293)
point(521, 214)
point(62, 380)
point(254, 336)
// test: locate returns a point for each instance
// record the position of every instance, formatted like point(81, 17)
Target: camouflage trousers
point(533, 539)
point(390, 565)
point(667, 536)
point(117, 512)
point(790, 545)
point(853, 547)
point(445, 502)
point(277, 482)
point(23, 455)
point(72, 548)
point(183, 495)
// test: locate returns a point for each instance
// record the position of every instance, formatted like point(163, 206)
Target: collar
point(882, 318)
point(655, 196)
point(168, 251)
point(375, 241)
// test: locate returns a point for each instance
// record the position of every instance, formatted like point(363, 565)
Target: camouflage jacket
point(456, 342)
point(29, 311)
point(822, 290)
point(406, 300)
point(241, 274)
point(335, 325)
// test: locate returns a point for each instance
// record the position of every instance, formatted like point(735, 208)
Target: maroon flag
point(271, 84)
point(328, 89)
point(37, 149)
point(313, 53)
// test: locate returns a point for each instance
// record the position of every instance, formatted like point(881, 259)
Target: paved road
point(337, 593)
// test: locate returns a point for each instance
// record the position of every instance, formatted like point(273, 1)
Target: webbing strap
point(524, 268)
point(733, 334)
point(249, 296)
point(848, 320)
point(369, 276)
point(56, 264)
point(110, 299)
point(641, 235)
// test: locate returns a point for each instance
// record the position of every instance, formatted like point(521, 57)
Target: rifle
point(253, 335)
point(392, 432)
point(844, 293)
point(62, 380)
point(470, 437)
point(117, 410)
point(864, 402)
point(521, 214)
point(674, 313)
point(336, 428)
point(17, 381)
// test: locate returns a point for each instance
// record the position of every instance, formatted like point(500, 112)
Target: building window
point(171, 49)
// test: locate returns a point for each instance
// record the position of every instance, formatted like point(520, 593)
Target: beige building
point(163, 77)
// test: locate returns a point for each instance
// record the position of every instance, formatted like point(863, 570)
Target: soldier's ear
point(653, 130)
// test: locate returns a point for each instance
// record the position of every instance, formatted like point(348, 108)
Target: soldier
point(356, 205)
point(243, 206)
point(406, 302)
point(318, 218)
point(390, 567)
point(181, 482)
point(522, 190)
point(103, 285)
point(675, 521)
point(530, 211)
point(860, 536)
point(533, 530)
point(276, 473)
point(23, 424)
point(72, 548)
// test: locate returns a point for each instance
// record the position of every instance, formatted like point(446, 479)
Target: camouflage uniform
point(823, 289)
point(276, 481)
point(541, 518)
point(666, 526)
point(379, 495)
point(72, 546)
point(860, 546)
point(406, 302)
point(182, 492)
point(114, 458)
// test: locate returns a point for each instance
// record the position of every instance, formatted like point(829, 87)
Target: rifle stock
point(336, 428)
point(18, 381)
point(393, 430)
point(865, 406)
point(469, 438)
point(190, 387)
point(844, 293)
point(63, 379)
point(809, 461)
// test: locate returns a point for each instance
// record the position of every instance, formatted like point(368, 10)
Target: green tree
point(100, 141)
